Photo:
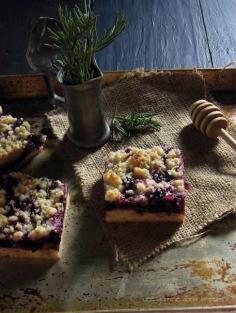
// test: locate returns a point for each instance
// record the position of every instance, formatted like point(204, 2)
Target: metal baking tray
point(200, 276)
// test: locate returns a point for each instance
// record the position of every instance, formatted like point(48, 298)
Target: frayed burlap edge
point(200, 232)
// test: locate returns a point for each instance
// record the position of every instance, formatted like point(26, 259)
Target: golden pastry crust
point(46, 252)
point(131, 215)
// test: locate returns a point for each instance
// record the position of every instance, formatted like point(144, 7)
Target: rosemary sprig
point(135, 122)
point(77, 39)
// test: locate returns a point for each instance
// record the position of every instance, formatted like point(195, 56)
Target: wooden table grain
point(170, 33)
point(159, 34)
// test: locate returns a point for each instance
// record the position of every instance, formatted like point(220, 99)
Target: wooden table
point(159, 34)
point(170, 33)
point(186, 279)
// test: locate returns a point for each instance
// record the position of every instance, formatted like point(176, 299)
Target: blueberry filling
point(127, 150)
point(34, 142)
point(53, 238)
point(156, 202)
point(129, 184)
point(27, 204)
point(17, 123)
point(161, 200)
point(146, 180)
point(57, 222)
point(8, 183)
point(159, 176)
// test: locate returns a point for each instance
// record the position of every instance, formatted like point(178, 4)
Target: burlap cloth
point(210, 164)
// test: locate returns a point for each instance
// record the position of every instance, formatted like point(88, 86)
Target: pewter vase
point(87, 125)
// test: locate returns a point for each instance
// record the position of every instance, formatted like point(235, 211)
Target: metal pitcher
point(87, 125)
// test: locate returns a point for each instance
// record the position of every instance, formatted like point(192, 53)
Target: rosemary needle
point(78, 42)
point(135, 122)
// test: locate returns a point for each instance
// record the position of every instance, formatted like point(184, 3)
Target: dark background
point(160, 33)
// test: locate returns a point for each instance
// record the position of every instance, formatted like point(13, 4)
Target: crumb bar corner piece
point(145, 185)
point(17, 142)
point(32, 213)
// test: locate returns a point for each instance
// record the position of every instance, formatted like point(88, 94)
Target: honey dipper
point(209, 119)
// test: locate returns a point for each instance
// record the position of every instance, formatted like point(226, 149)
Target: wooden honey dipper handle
point(228, 138)
point(210, 120)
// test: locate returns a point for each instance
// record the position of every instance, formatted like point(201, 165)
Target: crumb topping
point(14, 133)
point(134, 173)
point(29, 207)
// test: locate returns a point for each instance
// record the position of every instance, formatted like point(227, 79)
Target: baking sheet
point(202, 273)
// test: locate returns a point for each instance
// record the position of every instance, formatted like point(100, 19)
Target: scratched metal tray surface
point(196, 274)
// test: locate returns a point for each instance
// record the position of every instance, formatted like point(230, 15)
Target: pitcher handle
point(53, 98)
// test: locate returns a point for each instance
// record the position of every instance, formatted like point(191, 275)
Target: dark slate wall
point(159, 34)
point(16, 20)
point(170, 33)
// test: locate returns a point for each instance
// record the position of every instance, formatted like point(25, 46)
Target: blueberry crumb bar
point(32, 212)
point(17, 142)
point(145, 185)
